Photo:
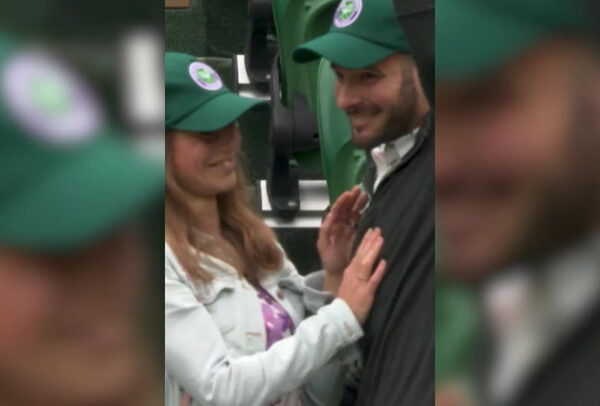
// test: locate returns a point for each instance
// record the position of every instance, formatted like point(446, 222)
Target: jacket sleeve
point(314, 295)
point(325, 386)
point(197, 357)
point(310, 286)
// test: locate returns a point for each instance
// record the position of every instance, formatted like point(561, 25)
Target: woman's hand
point(337, 233)
point(360, 281)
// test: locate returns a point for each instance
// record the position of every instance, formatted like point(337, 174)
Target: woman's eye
point(208, 137)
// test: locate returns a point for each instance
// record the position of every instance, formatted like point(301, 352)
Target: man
point(518, 190)
point(71, 261)
point(379, 90)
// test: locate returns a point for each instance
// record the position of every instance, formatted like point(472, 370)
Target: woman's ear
point(169, 140)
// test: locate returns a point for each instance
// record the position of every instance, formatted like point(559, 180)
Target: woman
point(235, 306)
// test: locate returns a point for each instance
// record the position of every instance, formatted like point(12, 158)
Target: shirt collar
point(389, 155)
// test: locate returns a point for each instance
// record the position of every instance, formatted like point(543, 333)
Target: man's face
point(382, 102)
point(67, 323)
point(517, 173)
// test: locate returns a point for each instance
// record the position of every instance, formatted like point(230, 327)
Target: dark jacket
point(399, 341)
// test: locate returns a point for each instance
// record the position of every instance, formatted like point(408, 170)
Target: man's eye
point(368, 76)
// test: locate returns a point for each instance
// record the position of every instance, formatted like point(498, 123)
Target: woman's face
point(204, 164)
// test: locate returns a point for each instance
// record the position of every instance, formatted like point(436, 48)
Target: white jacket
point(215, 339)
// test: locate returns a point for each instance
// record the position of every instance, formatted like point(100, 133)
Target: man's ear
point(422, 101)
point(594, 90)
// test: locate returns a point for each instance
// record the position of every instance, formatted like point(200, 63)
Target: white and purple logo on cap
point(205, 76)
point(347, 13)
point(48, 100)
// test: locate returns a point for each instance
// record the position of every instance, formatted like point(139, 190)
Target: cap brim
point(343, 50)
point(93, 192)
point(473, 41)
point(218, 112)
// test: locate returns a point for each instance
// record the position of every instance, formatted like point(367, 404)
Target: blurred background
point(81, 202)
point(517, 193)
point(517, 202)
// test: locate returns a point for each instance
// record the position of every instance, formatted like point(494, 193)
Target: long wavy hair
point(253, 247)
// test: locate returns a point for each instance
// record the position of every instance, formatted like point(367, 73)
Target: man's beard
point(567, 203)
point(402, 115)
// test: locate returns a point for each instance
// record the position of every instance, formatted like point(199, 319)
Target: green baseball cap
point(196, 99)
point(363, 32)
point(477, 37)
point(66, 179)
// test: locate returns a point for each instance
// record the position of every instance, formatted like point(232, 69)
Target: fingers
point(348, 207)
point(353, 202)
point(372, 252)
point(365, 242)
point(340, 223)
point(367, 253)
point(360, 204)
point(326, 225)
point(325, 230)
point(343, 201)
point(377, 276)
point(343, 206)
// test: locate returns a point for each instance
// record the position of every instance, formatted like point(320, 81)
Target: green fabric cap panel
point(477, 37)
point(196, 99)
point(66, 178)
point(362, 33)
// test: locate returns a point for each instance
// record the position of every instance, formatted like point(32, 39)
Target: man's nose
point(347, 96)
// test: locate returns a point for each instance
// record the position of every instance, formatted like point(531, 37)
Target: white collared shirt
point(389, 155)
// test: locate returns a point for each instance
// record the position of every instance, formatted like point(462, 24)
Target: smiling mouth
point(224, 163)
point(360, 123)
point(358, 129)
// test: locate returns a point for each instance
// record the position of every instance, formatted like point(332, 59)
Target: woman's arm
point(197, 357)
